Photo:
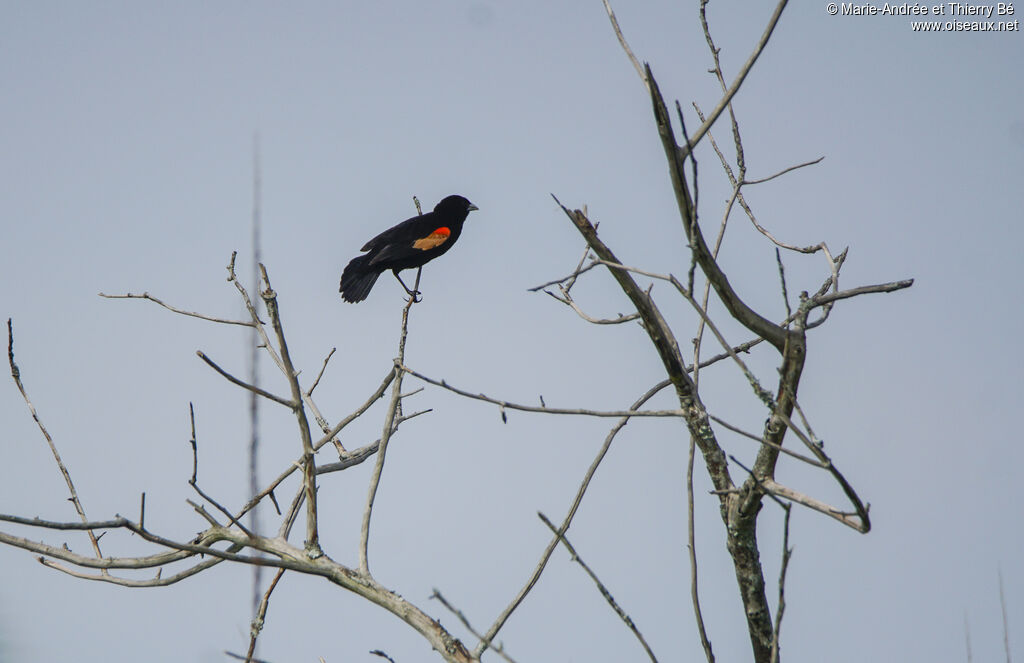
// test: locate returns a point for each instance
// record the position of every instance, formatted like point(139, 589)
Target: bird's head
point(455, 205)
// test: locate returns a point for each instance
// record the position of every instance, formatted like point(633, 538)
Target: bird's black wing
point(404, 232)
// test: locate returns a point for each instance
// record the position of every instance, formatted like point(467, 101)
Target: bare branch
point(571, 277)
point(586, 252)
point(57, 525)
point(348, 459)
point(567, 299)
point(195, 483)
point(16, 374)
point(321, 373)
point(496, 648)
point(357, 456)
point(545, 410)
point(785, 170)
point(546, 555)
point(717, 71)
point(782, 279)
point(389, 420)
point(691, 544)
point(290, 375)
point(738, 309)
point(309, 462)
point(64, 554)
point(626, 619)
point(848, 518)
point(828, 298)
point(787, 552)
point(158, 581)
point(738, 81)
point(625, 45)
point(761, 440)
point(245, 385)
point(320, 443)
point(261, 615)
point(201, 316)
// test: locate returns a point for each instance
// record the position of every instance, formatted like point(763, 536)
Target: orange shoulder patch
point(433, 240)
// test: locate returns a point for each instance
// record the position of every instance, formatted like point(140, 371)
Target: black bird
point(412, 243)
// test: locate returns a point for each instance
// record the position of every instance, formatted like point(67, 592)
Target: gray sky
point(126, 135)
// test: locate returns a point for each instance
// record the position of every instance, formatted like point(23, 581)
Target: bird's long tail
point(357, 280)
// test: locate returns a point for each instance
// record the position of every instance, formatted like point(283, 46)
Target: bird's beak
point(472, 207)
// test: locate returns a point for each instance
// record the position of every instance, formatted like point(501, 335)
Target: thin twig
point(761, 440)
point(496, 648)
point(583, 258)
point(787, 552)
point(738, 182)
point(57, 525)
point(691, 545)
point(782, 279)
point(580, 269)
point(157, 581)
point(828, 298)
point(389, 419)
point(201, 510)
point(626, 619)
point(357, 456)
point(257, 623)
point(717, 71)
point(195, 483)
point(845, 517)
point(567, 299)
point(312, 543)
point(320, 443)
point(289, 375)
point(546, 555)
point(546, 410)
point(738, 81)
point(625, 45)
point(782, 172)
point(16, 374)
point(245, 385)
point(201, 316)
point(321, 373)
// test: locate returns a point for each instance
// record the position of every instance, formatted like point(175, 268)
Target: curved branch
point(738, 309)
point(541, 409)
point(158, 581)
point(245, 385)
point(736, 83)
point(191, 314)
point(546, 555)
point(308, 461)
point(16, 374)
point(394, 409)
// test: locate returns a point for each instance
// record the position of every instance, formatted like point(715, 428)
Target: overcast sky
point(126, 164)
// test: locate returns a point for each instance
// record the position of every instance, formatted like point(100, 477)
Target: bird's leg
point(415, 294)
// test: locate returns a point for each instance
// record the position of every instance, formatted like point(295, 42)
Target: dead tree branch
point(16, 375)
point(389, 421)
point(566, 522)
point(626, 619)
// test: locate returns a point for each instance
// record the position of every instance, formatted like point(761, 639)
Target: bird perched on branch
point(412, 243)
